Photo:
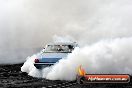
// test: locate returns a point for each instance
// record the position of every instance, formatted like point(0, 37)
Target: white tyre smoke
point(106, 56)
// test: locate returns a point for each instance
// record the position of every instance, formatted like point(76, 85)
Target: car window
point(59, 48)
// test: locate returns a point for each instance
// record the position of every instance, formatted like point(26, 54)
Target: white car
point(52, 53)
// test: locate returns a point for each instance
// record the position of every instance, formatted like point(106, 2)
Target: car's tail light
point(36, 60)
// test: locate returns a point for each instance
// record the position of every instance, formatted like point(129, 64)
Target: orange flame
point(81, 71)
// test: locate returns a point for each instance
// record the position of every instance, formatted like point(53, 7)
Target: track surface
point(11, 76)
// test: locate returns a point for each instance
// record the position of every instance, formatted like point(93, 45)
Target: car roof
point(63, 43)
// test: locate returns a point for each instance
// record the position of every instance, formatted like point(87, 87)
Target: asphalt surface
point(12, 77)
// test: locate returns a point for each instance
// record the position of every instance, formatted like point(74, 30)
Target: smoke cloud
point(102, 26)
point(26, 25)
point(106, 56)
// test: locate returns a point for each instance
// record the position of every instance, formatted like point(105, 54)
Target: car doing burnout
point(52, 53)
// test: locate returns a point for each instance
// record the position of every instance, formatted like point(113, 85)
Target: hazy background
point(27, 25)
